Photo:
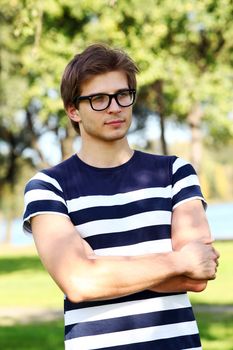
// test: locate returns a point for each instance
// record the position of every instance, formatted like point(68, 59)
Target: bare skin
point(72, 263)
point(84, 276)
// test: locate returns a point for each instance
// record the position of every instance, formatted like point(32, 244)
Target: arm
point(83, 276)
point(189, 223)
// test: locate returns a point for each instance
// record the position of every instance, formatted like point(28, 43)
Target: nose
point(114, 107)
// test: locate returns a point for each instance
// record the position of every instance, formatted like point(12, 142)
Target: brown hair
point(95, 59)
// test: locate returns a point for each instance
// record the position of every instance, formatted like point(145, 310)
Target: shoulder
point(62, 169)
point(172, 161)
point(171, 167)
point(52, 177)
point(155, 158)
point(156, 161)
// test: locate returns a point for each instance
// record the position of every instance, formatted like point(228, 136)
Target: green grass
point(216, 330)
point(25, 283)
point(35, 336)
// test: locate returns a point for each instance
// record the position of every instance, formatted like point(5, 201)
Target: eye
point(124, 94)
point(99, 98)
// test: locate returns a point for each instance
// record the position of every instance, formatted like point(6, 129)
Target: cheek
point(90, 125)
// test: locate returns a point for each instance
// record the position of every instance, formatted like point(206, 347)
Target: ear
point(73, 113)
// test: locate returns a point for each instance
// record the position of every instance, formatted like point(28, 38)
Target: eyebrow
point(106, 93)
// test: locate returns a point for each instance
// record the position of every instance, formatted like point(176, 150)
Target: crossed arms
point(83, 276)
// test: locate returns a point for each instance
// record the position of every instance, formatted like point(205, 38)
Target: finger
point(206, 240)
point(214, 276)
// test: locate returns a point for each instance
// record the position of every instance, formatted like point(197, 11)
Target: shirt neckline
point(108, 169)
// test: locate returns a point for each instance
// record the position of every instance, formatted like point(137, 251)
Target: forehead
point(107, 82)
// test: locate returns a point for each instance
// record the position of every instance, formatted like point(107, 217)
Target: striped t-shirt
point(125, 210)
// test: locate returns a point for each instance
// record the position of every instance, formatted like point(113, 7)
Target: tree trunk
point(67, 141)
point(34, 138)
point(8, 231)
point(194, 122)
point(158, 86)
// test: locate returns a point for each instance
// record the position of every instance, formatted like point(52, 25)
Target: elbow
point(75, 297)
point(80, 289)
point(80, 283)
point(76, 293)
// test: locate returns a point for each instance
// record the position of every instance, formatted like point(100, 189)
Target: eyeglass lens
point(102, 101)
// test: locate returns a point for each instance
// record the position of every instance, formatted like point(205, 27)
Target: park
point(183, 50)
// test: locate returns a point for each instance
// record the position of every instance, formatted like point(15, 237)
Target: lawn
point(34, 336)
point(24, 283)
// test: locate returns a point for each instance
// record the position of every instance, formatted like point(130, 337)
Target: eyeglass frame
point(77, 99)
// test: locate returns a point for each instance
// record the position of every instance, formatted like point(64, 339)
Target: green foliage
point(187, 46)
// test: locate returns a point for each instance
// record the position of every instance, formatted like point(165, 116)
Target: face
point(110, 124)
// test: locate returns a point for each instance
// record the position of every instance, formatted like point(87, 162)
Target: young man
point(123, 233)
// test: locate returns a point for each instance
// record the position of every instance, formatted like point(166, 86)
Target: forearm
point(180, 284)
point(111, 277)
point(82, 275)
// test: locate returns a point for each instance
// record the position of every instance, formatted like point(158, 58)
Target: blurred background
point(184, 51)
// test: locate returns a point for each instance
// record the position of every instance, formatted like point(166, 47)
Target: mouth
point(114, 122)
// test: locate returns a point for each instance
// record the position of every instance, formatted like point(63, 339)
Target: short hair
point(94, 60)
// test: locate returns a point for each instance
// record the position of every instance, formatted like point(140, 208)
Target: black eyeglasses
point(99, 102)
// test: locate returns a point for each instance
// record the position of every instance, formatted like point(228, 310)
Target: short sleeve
point(43, 195)
point(185, 183)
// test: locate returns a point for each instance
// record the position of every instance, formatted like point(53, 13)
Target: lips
point(114, 122)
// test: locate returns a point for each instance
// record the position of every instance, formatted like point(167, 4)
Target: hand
point(200, 259)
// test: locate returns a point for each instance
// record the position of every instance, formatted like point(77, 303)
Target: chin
point(115, 137)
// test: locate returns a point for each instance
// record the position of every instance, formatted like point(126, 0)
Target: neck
point(106, 155)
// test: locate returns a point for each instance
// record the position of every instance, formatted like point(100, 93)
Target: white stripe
point(135, 307)
point(185, 182)
point(191, 199)
point(44, 213)
point(132, 336)
point(125, 224)
point(37, 195)
point(118, 199)
point(46, 178)
point(199, 348)
point(179, 162)
point(149, 247)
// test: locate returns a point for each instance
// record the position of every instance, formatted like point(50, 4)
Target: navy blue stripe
point(45, 206)
point(37, 184)
point(119, 211)
point(182, 172)
point(118, 239)
point(147, 294)
point(141, 171)
point(119, 324)
point(176, 343)
point(187, 192)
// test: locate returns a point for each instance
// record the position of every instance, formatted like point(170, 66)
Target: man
point(123, 233)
